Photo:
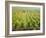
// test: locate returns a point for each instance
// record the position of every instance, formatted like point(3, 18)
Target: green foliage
point(25, 19)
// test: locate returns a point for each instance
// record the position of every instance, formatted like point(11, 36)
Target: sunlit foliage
point(25, 19)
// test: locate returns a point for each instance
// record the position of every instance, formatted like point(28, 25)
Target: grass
point(25, 19)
